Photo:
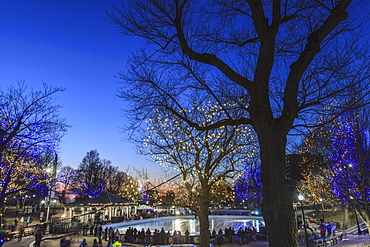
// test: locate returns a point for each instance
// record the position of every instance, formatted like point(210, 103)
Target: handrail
point(325, 242)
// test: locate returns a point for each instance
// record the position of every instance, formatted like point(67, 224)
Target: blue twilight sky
point(71, 44)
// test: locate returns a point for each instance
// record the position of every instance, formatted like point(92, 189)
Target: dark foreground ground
point(54, 241)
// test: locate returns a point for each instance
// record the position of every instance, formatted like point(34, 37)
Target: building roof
point(144, 207)
point(105, 199)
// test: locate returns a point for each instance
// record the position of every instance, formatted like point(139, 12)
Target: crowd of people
point(162, 237)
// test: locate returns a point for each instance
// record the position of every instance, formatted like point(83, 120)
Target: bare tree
point(94, 174)
point(66, 180)
point(271, 64)
point(29, 125)
point(117, 181)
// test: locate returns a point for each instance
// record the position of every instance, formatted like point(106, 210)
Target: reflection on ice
point(181, 223)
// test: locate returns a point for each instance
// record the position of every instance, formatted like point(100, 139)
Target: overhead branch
point(207, 58)
point(221, 123)
point(314, 40)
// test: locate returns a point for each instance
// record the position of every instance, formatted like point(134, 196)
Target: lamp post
point(48, 210)
point(51, 189)
point(322, 209)
point(301, 198)
point(358, 225)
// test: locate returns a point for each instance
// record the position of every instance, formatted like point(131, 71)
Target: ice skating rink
point(181, 223)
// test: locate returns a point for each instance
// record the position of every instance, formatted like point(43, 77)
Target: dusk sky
point(72, 44)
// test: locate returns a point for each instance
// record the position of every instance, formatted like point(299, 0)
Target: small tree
point(129, 189)
point(316, 187)
point(248, 188)
point(222, 194)
point(315, 165)
point(29, 125)
point(204, 158)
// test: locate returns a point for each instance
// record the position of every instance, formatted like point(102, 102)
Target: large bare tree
point(270, 64)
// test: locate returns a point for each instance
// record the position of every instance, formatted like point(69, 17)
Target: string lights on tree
point(208, 161)
point(350, 158)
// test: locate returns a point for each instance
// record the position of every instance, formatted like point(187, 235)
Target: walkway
point(53, 241)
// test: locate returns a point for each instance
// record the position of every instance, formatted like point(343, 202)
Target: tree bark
point(277, 207)
point(203, 217)
point(345, 217)
point(5, 187)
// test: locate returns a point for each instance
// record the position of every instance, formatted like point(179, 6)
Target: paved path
point(348, 241)
point(76, 240)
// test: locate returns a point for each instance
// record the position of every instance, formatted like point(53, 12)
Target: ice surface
point(181, 223)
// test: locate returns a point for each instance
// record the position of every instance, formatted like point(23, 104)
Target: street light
point(322, 208)
point(301, 198)
point(51, 189)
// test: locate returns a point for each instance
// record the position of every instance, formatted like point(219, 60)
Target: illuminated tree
point(93, 174)
point(316, 187)
point(350, 158)
point(25, 176)
point(315, 162)
point(271, 64)
point(204, 159)
point(248, 188)
point(29, 126)
point(129, 190)
point(336, 162)
point(222, 194)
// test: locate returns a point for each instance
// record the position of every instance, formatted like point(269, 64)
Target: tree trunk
point(4, 188)
point(345, 217)
point(364, 213)
point(203, 217)
point(277, 206)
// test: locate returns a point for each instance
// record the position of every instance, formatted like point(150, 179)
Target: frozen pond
point(181, 223)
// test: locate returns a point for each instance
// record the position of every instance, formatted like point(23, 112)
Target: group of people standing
point(132, 235)
point(326, 230)
point(242, 236)
point(108, 234)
